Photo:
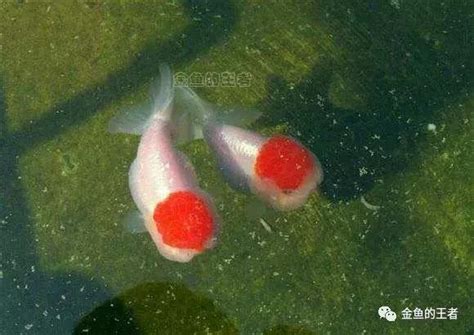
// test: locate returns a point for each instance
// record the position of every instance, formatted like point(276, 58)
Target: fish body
point(279, 169)
point(235, 149)
point(178, 215)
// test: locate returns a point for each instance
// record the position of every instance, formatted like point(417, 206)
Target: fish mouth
point(286, 199)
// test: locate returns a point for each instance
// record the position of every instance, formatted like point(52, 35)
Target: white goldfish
point(178, 215)
point(279, 169)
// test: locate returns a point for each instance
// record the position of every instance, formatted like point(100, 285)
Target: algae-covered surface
point(380, 91)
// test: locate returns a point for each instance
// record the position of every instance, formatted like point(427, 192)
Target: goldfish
point(278, 169)
point(178, 215)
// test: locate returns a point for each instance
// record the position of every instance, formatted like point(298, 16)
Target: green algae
point(176, 310)
point(358, 84)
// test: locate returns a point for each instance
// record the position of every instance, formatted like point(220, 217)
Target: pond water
point(381, 92)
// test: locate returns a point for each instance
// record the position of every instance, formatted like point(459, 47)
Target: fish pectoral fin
point(134, 222)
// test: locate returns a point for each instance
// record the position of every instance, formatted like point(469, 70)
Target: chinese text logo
point(429, 313)
point(212, 79)
point(386, 313)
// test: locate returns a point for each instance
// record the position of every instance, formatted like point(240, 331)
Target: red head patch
point(184, 220)
point(285, 162)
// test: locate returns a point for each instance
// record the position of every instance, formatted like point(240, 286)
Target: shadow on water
point(396, 77)
point(32, 300)
point(211, 24)
point(287, 330)
point(403, 253)
point(156, 308)
point(40, 302)
point(164, 308)
point(402, 71)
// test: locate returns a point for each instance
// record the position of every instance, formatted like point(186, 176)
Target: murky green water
point(381, 91)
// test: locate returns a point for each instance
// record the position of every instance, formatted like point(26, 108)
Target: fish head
point(285, 173)
point(186, 224)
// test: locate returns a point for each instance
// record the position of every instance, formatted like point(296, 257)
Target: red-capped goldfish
point(278, 169)
point(178, 215)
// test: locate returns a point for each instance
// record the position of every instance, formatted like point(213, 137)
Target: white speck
point(362, 171)
point(1, 274)
point(63, 297)
point(431, 127)
point(45, 313)
point(58, 317)
point(28, 326)
point(369, 206)
point(266, 225)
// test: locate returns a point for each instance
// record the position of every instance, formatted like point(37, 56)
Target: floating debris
point(369, 206)
point(431, 127)
point(266, 225)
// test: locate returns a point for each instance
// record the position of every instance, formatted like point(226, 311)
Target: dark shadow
point(400, 249)
point(157, 308)
point(48, 303)
point(32, 300)
point(211, 24)
point(287, 330)
point(407, 78)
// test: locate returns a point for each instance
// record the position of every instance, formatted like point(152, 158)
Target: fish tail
point(162, 93)
point(135, 120)
point(193, 113)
